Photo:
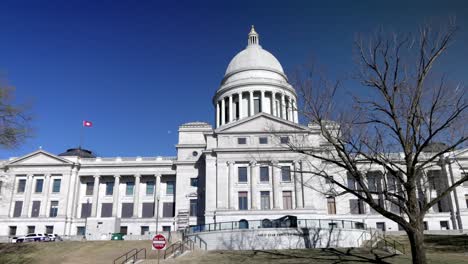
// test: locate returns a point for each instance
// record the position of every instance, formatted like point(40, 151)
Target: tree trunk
point(418, 252)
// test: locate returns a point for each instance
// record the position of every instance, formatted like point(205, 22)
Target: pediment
point(39, 157)
point(260, 123)
point(461, 154)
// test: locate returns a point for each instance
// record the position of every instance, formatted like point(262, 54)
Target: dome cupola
point(254, 82)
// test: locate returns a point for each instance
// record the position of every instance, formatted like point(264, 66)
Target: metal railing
point(268, 223)
point(387, 242)
point(131, 254)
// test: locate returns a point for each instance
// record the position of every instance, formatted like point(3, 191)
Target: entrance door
point(381, 226)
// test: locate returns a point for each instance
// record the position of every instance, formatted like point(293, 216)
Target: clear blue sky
point(139, 69)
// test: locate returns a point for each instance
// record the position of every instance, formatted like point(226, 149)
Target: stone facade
point(239, 169)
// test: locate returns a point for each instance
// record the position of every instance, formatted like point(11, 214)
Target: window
point(444, 225)
point(149, 187)
point(242, 141)
point(287, 200)
point(242, 174)
point(36, 207)
point(18, 208)
point(86, 210)
point(144, 230)
point(166, 228)
point(39, 185)
point(284, 140)
point(356, 206)
point(1, 185)
point(49, 229)
point(256, 105)
point(109, 188)
point(21, 186)
point(80, 230)
point(263, 140)
point(148, 210)
point(286, 173)
point(380, 226)
point(466, 199)
point(170, 187)
point(89, 188)
point(129, 188)
point(265, 200)
point(106, 210)
point(331, 205)
point(12, 230)
point(123, 230)
point(194, 153)
point(31, 229)
point(56, 185)
point(264, 174)
point(194, 182)
point(127, 210)
point(351, 182)
point(243, 201)
point(329, 179)
point(425, 225)
point(193, 207)
point(53, 208)
point(168, 209)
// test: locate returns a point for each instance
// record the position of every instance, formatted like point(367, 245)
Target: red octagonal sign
point(159, 242)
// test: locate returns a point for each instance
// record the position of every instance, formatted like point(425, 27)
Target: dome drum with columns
point(254, 82)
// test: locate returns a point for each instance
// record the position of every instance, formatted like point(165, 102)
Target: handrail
point(201, 241)
point(257, 224)
point(172, 248)
point(126, 255)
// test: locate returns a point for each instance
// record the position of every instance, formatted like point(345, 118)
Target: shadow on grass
point(16, 253)
point(333, 255)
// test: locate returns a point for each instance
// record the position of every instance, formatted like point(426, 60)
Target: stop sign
point(159, 242)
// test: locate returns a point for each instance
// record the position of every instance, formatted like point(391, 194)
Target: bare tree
point(14, 118)
point(391, 127)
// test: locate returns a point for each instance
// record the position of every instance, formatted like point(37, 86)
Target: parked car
point(13, 239)
point(32, 238)
point(54, 237)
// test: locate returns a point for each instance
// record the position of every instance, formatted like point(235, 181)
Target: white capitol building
point(240, 169)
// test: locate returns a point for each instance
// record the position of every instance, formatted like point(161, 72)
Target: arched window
point(243, 224)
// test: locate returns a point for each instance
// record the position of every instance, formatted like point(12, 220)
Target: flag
point(87, 123)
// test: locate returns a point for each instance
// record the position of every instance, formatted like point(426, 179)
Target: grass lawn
point(441, 249)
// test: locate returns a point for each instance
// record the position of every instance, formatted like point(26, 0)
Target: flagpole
point(81, 134)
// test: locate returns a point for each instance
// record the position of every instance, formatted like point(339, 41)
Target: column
point(157, 192)
point(253, 183)
point(223, 112)
point(251, 103)
point(95, 196)
point(46, 193)
point(217, 114)
point(262, 102)
point(231, 185)
point(72, 187)
point(27, 196)
point(275, 181)
point(136, 195)
point(273, 104)
point(283, 107)
point(290, 109)
point(240, 106)
point(299, 184)
point(296, 119)
point(115, 196)
point(230, 109)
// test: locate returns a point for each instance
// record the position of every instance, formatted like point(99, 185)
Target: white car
point(54, 237)
point(32, 238)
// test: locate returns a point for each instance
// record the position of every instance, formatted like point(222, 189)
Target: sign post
point(158, 243)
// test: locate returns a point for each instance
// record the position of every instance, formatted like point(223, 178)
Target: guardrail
point(267, 223)
point(132, 254)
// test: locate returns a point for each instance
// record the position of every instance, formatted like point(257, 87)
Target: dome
point(79, 152)
point(254, 57)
